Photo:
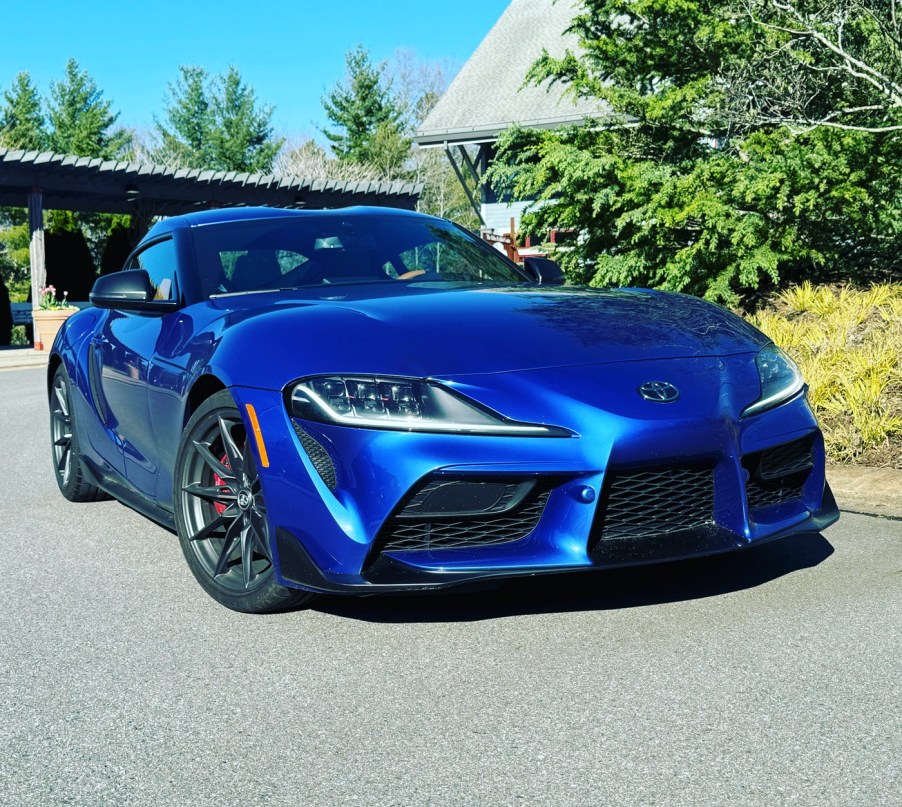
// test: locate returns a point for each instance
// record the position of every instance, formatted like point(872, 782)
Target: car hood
point(446, 332)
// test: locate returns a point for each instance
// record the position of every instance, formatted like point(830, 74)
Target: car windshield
point(336, 248)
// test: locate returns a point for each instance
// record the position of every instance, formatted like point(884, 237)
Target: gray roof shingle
point(487, 94)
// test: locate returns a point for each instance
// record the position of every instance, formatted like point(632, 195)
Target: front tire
point(68, 466)
point(220, 513)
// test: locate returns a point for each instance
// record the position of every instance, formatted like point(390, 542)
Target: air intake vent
point(465, 513)
point(641, 503)
point(318, 456)
point(778, 475)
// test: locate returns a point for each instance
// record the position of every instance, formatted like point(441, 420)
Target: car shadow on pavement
point(594, 590)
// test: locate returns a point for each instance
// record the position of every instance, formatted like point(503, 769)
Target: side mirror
point(129, 290)
point(545, 271)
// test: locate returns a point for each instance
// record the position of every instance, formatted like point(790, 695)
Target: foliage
point(14, 254)
point(692, 181)
point(186, 140)
point(81, 121)
point(215, 123)
point(848, 344)
point(22, 121)
point(367, 120)
point(50, 300)
point(377, 109)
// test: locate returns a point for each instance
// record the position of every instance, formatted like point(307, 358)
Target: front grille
point(642, 503)
point(318, 455)
point(510, 517)
point(778, 475)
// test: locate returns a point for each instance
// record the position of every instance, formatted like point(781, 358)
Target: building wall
point(497, 216)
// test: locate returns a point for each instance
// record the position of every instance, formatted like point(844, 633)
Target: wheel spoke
point(232, 537)
point(60, 393)
point(63, 465)
point(258, 526)
point(65, 440)
point(60, 417)
point(226, 474)
point(217, 495)
point(247, 554)
point(234, 456)
point(207, 530)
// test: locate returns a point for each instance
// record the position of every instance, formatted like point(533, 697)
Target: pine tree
point(22, 123)
point(243, 137)
point(367, 118)
point(216, 123)
point(81, 121)
point(187, 139)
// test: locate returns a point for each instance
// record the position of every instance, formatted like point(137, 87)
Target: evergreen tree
point(243, 136)
point(187, 139)
point(81, 120)
point(22, 123)
point(754, 154)
point(368, 122)
point(216, 123)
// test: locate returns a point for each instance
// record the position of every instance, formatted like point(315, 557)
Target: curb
point(21, 358)
point(862, 489)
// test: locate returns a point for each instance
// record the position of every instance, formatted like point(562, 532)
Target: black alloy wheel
point(68, 467)
point(221, 513)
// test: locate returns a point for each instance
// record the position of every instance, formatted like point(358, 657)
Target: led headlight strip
point(403, 404)
point(780, 380)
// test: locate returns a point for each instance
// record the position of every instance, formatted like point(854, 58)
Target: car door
point(125, 348)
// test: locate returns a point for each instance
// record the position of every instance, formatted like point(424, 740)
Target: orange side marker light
point(258, 435)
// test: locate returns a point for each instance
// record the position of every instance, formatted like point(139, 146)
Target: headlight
point(402, 404)
point(780, 379)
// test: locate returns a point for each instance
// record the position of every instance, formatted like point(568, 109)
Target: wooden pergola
point(47, 181)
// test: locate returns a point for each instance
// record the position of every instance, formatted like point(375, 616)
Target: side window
point(158, 260)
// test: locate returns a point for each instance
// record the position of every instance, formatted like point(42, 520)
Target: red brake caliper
point(220, 483)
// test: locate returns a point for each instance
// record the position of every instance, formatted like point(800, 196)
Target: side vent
point(318, 456)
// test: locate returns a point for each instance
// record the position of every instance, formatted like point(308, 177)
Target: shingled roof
point(487, 94)
point(110, 186)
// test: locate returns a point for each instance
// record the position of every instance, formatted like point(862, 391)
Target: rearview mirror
point(545, 271)
point(129, 290)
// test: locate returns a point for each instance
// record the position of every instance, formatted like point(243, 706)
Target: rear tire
point(69, 468)
point(220, 513)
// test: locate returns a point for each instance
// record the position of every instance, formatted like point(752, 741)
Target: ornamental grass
point(848, 344)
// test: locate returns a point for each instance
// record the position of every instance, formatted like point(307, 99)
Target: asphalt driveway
point(771, 677)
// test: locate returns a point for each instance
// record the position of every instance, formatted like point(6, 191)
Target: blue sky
point(291, 52)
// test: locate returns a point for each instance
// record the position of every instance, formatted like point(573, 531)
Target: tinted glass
point(159, 262)
point(335, 249)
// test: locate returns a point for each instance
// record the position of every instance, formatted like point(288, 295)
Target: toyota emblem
point(659, 391)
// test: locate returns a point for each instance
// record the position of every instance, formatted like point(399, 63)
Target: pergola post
point(36, 251)
point(142, 218)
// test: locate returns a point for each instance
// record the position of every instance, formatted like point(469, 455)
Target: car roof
point(236, 214)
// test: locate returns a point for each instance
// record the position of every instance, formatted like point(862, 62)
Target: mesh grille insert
point(778, 474)
point(407, 530)
point(640, 503)
point(320, 458)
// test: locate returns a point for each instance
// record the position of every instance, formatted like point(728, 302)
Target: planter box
point(47, 323)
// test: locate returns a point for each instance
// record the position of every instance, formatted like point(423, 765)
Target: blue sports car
point(370, 400)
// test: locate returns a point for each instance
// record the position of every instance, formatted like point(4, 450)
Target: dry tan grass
point(848, 344)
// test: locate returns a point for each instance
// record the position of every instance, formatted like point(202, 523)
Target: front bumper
point(390, 575)
point(330, 522)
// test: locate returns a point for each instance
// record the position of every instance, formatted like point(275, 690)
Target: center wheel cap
point(245, 499)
